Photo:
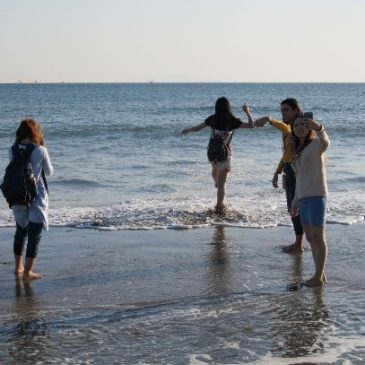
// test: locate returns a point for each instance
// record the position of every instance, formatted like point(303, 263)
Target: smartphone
point(308, 115)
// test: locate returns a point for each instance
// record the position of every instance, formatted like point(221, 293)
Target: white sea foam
point(342, 349)
point(339, 347)
point(252, 211)
point(199, 359)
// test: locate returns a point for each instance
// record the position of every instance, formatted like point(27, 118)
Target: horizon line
point(36, 82)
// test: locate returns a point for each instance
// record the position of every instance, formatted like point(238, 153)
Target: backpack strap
point(23, 152)
point(26, 153)
point(230, 138)
point(29, 150)
point(45, 180)
point(15, 150)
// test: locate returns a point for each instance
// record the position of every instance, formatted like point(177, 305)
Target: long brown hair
point(29, 128)
point(298, 147)
point(223, 110)
point(294, 104)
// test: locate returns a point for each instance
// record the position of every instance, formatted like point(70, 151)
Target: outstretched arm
point(196, 128)
point(322, 135)
point(260, 122)
point(281, 126)
point(246, 110)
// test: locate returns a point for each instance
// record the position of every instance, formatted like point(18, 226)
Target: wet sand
point(205, 296)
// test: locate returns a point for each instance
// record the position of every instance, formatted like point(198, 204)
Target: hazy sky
point(182, 40)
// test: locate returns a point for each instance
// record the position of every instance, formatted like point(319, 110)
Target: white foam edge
point(339, 347)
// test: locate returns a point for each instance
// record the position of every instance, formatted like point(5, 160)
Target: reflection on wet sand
point(219, 264)
point(303, 318)
point(229, 305)
point(297, 267)
point(30, 329)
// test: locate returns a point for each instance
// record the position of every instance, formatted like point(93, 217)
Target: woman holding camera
point(310, 142)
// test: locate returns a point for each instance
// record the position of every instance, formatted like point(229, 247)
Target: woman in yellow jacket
point(290, 109)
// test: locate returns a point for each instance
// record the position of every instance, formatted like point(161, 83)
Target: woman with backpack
point(290, 109)
point(222, 124)
point(311, 142)
point(30, 220)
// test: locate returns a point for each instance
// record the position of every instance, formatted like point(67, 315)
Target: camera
point(308, 115)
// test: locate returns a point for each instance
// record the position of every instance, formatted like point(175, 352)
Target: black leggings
point(290, 192)
point(33, 230)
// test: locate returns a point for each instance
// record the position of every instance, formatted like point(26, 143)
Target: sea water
point(121, 163)
point(214, 296)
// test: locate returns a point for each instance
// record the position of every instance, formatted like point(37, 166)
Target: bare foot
point(19, 273)
point(293, 248)
point(31, 276)
point(313, 282)
point(220, 210)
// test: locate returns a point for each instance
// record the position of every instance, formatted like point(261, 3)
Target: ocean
point(120, 162)
point(127, 280)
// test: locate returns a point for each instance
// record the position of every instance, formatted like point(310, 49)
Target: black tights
point(290, 192)
point(33, 230)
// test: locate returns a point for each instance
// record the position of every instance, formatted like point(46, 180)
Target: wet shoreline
point(205, 296)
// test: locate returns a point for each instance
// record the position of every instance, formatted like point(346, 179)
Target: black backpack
point(217, 150)
point(19, 186)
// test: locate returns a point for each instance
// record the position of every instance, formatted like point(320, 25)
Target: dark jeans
point(33, 231)
point(290, 192)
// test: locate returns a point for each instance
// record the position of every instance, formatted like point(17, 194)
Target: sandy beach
point(206, 296)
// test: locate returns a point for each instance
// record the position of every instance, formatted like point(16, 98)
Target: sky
point(182, 41)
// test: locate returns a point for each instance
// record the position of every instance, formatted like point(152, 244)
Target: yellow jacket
point(288, 155)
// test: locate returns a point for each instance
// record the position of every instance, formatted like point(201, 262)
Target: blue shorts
point(312, 211)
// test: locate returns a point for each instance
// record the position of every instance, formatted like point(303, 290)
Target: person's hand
point(311, 124)
point(260, 122)
point(284, 182)
point(246, 108)
point(275, 180)
point(294, 211)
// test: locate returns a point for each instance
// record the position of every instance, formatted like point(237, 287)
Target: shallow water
point(207, 296)
point(120, 162)
point(216, 295)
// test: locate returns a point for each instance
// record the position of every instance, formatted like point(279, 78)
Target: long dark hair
point(29, 128)
point(223, 110)
point(294, 104)
point(298, 147)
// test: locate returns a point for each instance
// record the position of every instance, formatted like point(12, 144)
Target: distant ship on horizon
point(27, 82)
